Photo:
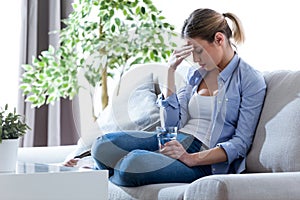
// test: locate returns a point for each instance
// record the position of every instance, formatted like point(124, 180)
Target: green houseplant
point(11, 125)
point(102, 38)
point(12, 128)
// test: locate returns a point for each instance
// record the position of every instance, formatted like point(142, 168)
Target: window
point(10, 15)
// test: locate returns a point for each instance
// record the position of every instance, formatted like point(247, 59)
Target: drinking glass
point(165, 135)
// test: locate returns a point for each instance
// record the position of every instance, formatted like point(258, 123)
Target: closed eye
point(198, 50)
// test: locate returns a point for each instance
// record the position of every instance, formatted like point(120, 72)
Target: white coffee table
point(33, 181)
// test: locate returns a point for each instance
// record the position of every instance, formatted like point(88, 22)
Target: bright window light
point(10, 15)
point(271, 28)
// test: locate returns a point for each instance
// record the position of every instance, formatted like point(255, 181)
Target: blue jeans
point(132, 159)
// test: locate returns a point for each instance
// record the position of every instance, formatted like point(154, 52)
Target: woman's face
point(206, 54)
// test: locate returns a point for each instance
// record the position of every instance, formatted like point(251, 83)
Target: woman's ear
point(219, 38)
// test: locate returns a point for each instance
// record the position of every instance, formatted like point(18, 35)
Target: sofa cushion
point(276, 143)
point(254, 186)
point(166, 191)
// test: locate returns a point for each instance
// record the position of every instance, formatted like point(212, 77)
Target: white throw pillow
point(134, 109)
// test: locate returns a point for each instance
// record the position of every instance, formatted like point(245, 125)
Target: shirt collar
point(228, 70)
point(197, 74)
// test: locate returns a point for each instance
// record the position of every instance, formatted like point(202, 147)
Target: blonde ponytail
point(237, 28)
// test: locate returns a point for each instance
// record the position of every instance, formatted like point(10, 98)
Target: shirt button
point(219, 101)
point(213, 169)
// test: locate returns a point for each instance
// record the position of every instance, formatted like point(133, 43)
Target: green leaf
point(113, 28)
point(66, 78)
point(42, 64)
point(161, 18)
point(137, 10)
point(32, 98)
point(24, 86)
point(111, 12)
point(153, 17)
point(50, 99)
point(137, 60)
point(41, 77)
point(161, 39)
point(129, 18)
point(75, 6)
point(27, 67)
point(41, 100)
point(166, 25)
point(147, 1)
point(152, 55)
point(106, 17)
point(55, 64)
point(143, 10)
point(65, 85)
point(27, 80)
point(51, 90)
point(95, 3)
point(118, 21)
point(34, 60)
point(51, 49)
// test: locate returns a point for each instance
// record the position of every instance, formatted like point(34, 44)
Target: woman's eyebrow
point(198, 49)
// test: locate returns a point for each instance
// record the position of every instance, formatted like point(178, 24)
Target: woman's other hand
point(175, 150)
point(71, 162)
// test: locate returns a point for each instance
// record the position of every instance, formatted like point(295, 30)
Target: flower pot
point(8, 155)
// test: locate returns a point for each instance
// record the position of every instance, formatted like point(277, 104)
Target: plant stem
point(104, 95)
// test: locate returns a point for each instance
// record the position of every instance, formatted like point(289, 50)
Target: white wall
point(271, 27)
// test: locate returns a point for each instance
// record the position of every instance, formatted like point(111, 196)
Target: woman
point(216, 113)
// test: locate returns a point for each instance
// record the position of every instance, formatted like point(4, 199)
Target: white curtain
point(51, 125)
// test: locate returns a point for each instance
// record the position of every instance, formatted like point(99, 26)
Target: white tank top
point(200, 113)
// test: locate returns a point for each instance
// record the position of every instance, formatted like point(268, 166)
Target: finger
point(185, 48)
point(181, 58)
point(71, 163)
point(75, 161)
point(173, 143)
point(67, 164)
point(173, 154)
point(186, 52)
point(169, 149)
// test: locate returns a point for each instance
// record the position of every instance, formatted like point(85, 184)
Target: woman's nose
point(196, 58)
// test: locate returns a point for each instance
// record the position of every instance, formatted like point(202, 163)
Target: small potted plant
point(12, 128)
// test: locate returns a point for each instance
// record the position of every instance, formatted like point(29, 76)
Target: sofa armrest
point(47, 155)
point(272, 186)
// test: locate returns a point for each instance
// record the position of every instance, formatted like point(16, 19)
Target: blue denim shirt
point(238, 104)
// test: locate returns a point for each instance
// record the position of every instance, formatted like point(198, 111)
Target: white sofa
point(273, 163)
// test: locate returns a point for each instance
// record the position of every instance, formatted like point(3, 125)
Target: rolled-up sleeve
point(170, 109)
point(174, 108)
